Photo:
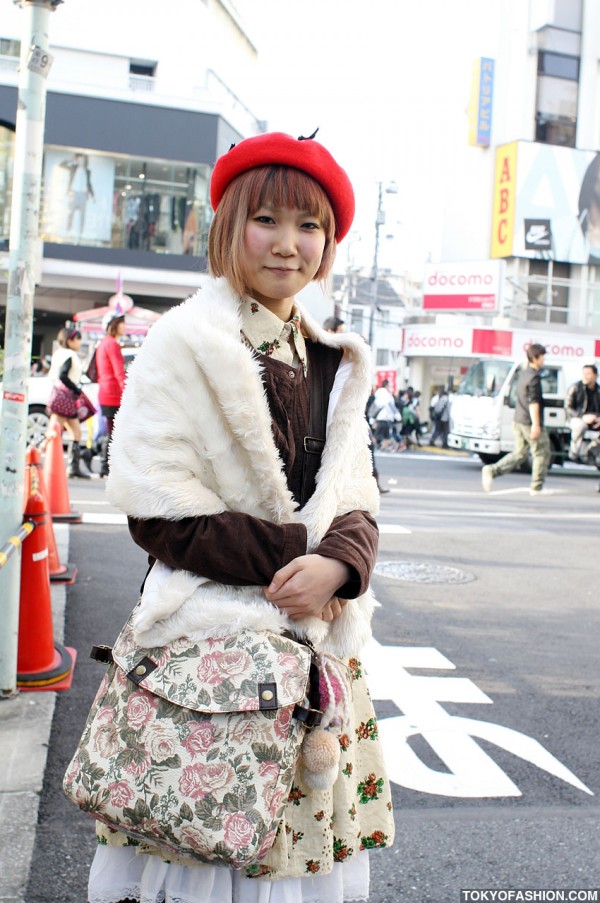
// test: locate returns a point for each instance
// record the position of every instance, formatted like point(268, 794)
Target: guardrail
point(14, 542)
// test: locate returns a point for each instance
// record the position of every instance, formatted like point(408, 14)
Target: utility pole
point(379, 221)
point(34, 66)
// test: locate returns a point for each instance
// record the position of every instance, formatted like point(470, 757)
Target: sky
point(387, 82)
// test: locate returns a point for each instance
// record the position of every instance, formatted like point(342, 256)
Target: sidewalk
point(25, 724)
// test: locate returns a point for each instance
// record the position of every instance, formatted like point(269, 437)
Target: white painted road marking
point(471, 771)
point(114, 519)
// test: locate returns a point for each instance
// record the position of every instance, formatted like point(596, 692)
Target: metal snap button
point(141, 669)
point(267, 695)
point(291, 374)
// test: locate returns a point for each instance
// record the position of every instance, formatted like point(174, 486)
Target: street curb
point(25, 726)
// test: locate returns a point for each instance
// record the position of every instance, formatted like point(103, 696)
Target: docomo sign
point(568, 347)
point(432, 341)
point(473, 285)
point(442, 341)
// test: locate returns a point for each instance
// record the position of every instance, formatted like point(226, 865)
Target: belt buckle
point(312, 451)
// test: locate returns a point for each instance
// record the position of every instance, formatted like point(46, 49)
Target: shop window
point(556, 117)
point(593, 298)
point(383, 357)
point(120, 202)
point(147, 69)
point(558, 75)
point(559, 65)
point(10, 47)
point(356, 319)
point(9, 55)
point(549, 130)
point(548, 291)
point(141, 75)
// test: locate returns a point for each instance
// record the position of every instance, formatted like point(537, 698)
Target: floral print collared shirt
point(266, 333)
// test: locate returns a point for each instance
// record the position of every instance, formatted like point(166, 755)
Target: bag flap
point(249, 671)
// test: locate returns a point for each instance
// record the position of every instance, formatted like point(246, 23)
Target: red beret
point(305, 154)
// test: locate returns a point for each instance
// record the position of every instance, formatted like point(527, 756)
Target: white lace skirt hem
point(118, 873)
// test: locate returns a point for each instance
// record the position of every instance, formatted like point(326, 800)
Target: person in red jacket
point(111, 376)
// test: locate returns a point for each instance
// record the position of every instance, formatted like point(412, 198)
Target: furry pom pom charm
point(320, 751)
point(320, 754)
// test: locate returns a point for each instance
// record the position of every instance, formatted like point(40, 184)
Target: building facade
point(135, 119)
point(521, 203)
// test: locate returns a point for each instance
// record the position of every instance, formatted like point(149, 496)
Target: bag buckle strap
point(102, 654)
point(309, 717)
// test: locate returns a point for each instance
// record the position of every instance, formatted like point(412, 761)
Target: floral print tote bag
point(193, 746)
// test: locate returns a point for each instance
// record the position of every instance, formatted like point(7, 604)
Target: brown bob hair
point(279, 186)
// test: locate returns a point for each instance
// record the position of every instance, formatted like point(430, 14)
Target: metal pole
point(379, 219)
point(549, 292)
point(24, 226)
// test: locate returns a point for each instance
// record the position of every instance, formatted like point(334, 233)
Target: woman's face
point(74, 344)
point(283, 249)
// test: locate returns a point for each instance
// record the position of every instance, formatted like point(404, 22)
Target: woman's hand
point(333, 609)
point(307, 585)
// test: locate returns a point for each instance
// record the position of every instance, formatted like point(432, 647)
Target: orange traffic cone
point(55, 478)
point(42, 664)
point(59, 573)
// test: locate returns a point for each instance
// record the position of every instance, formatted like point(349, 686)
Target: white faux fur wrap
point(193, 437)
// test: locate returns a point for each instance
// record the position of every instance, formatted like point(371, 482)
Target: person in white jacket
point(387, 414)
point(210, 461)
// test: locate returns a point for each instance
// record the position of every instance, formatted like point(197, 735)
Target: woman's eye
point(263, 218)
point(311, 226)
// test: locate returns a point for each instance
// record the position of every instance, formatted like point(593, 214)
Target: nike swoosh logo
point(537, 234)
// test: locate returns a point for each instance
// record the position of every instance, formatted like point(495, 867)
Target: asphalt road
point(484, 671)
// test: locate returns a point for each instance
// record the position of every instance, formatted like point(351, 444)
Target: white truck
point(482, 409)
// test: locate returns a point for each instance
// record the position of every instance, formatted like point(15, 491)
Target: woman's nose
point(285, 243)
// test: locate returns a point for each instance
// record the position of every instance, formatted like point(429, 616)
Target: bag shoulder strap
point(322, 367)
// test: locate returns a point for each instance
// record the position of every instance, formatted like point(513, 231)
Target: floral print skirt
point(321, 831)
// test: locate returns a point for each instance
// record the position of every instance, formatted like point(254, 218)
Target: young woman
point(66, 369)
point(208, 460)
point(111, 376)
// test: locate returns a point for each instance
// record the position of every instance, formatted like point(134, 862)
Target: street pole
point(34, 66)
point(379, 220)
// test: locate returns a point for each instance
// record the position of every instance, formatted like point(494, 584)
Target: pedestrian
point(111, 377)
point(41, 365)
point(66, 370)
point(373, 442)
point(210, 457)
point(440, 415)
point(333, 324)
point(385, 413)
point(582, 406)
point(528, 427)
point(410, 425)
point(415, 407)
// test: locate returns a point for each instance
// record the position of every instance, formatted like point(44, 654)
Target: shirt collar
point(269, 335)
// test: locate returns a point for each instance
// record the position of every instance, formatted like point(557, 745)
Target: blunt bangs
point(283, 186)
point(278, 186)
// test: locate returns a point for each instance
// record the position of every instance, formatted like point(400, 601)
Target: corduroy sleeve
point(232, 548)
point(352, 538)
